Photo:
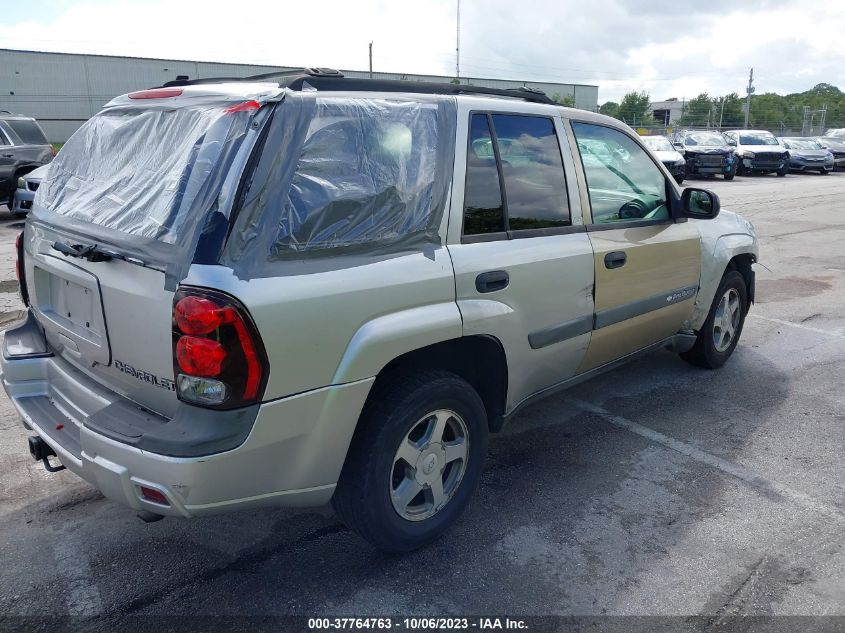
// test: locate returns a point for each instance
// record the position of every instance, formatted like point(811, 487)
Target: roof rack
point(330, 79)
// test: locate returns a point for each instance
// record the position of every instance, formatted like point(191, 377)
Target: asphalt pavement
point(657, 489)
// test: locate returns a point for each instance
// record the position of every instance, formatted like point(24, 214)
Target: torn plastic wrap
point(345, 175)
point(145, 180)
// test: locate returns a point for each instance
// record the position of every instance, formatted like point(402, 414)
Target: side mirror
point(700, 204)
point(678, 145)
point(731, 142)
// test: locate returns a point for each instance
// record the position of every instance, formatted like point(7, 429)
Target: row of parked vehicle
point(739, 152)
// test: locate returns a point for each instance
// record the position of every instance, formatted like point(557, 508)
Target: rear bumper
point(292, 456)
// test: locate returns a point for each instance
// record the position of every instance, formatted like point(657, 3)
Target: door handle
point(616, 259)
point(8, 155)
point(492, 281)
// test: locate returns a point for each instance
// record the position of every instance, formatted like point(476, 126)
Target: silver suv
point(288, 290)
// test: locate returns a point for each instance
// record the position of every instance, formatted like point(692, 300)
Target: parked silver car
point(836, 146)
point(807, 154)
point(307, 288)
point(25, 192)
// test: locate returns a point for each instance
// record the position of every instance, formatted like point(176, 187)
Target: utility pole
point(458, 44)
point(371, 60)
point(748, 93)
point(721, 113)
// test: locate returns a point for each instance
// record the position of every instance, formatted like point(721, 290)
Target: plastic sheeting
point(145, 180)
point(137, 171)
point(346, 174)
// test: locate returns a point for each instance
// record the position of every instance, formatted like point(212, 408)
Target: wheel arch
point(478, 359)
point(737, 251)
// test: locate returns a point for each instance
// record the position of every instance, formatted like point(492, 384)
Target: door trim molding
point(642, 306)
point(561, 331)
point(588, 323)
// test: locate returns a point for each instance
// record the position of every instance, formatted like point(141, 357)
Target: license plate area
point(68, 304)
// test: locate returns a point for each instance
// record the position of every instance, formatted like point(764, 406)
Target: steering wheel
point(632, 210)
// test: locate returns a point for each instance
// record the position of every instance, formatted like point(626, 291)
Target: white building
point(63, 90)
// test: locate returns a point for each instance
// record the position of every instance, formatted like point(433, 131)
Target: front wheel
point(782, 171)
point(824, 172)
point(720, 333)
point(416, 457)
point(729, 176)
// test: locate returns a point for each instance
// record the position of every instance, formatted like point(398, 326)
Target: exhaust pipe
point(41, 451)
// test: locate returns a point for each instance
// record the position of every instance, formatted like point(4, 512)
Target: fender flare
point(387, 337)
point(713, 267)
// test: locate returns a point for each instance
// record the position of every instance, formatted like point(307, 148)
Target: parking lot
point(656, 489)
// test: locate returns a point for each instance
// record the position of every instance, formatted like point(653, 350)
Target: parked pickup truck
point(307, 288)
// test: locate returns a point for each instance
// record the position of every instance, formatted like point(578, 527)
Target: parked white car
point(758, 151)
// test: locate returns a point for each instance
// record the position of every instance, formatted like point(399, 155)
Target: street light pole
point(750, 89)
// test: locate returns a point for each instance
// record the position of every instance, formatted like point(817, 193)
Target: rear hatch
point(115, 226)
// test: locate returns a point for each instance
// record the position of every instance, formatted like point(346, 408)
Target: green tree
point(610, 108)
point(567, 100)
point(698, 111)
point(728, 110)
point(634, 109)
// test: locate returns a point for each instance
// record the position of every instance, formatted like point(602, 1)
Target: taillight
point(19, 270)
point(218, 358)
point(244, 106)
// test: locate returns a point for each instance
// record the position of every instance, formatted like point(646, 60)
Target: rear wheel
point(720, 333)
point(414, 462)
point(729, 176)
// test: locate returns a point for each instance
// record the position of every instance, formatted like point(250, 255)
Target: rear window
point(28, 131)
point(139, 171)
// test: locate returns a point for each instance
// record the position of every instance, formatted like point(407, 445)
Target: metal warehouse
point(63, 90)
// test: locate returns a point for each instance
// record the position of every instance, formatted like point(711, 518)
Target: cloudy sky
point(671, 48)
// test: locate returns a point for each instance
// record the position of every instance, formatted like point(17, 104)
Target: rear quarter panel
point(345, 321)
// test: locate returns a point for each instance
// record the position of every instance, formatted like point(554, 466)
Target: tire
point(740, 169)
point(782, 171)
point(367, 495)
point(824, 172)
point(705, 353)
point(729, 176)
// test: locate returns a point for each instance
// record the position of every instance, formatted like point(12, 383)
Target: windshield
point(757, 138)
point(801, 143)
point(704, 138)
point(139, 171)
point(837, 143)
point(657, 143)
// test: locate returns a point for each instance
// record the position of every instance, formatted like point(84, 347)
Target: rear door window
point(532, 168)
point(28, 131)
point(515, 181)
point(483, 209)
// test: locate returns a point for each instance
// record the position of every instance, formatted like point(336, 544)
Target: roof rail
point(294, 72)
point(330, 79)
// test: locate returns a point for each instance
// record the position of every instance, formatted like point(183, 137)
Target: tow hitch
point(41, 451)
